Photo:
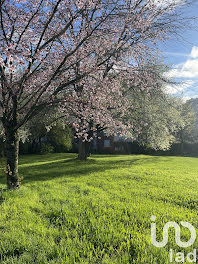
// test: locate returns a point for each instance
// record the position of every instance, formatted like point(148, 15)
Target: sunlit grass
point(68, 211)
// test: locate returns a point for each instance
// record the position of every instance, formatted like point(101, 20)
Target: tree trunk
point(12, 152)
point(182, 148)
point(83, 149)
point(181, 143)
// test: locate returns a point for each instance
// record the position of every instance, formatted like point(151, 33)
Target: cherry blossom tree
point(98, 105)
point(102, 102)
point(121, 103)
point(42, 41)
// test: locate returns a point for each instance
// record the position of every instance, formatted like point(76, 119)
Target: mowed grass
point(68, 211)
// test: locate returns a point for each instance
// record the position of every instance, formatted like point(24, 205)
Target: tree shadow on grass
point(68, 169)
point(2, 198)
point(73, 168)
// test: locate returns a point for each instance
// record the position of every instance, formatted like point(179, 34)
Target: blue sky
point(182, 56)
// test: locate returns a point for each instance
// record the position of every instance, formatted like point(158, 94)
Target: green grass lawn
point(97, 211)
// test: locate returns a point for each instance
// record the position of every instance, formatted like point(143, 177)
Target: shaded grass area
point(98, 211)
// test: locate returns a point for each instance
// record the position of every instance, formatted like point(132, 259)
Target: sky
point(182, 57)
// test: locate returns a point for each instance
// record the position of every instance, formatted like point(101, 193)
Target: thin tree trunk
point(83, 149)
point(12, 151)
point(181, 143)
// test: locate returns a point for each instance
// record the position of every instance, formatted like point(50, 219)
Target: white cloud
point(178, 88)
point(187, 74)
point(165, 3)
point(194, 52)
point(188, 69)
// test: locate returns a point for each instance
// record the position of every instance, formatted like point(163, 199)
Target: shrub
point(46, 148)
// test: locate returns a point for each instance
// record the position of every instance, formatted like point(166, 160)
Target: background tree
point(163, 118)
point(188, 133)
point(157, 116)
point(60, 137)
point(46, 132)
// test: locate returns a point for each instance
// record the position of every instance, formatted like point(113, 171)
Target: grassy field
point(97, 211)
